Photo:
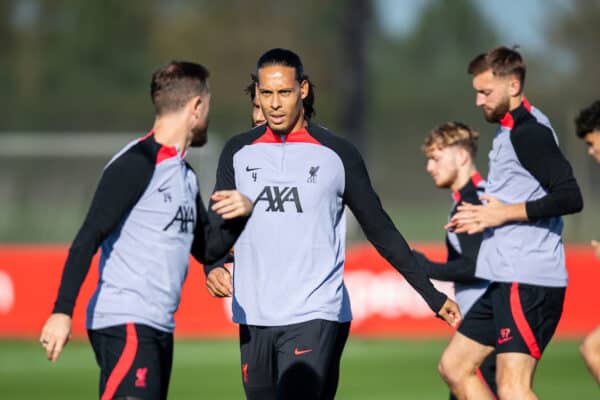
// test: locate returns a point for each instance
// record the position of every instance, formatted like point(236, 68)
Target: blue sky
point(516, 21)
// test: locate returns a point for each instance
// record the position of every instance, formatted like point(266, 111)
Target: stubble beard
point(496, 114)
point(199, 136)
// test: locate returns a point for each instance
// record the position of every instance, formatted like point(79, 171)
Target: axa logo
point(276, 198)
point(183, 218)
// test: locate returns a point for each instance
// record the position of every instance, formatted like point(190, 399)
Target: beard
point(199, 136)
point(497, 113)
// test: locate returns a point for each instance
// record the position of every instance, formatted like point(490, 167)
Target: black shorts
point(135, 360)
point(515, 317)
point(298, 361)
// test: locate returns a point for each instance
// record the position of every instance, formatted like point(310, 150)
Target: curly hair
point(588, 120)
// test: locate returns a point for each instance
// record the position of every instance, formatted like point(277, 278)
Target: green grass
point(374, 370)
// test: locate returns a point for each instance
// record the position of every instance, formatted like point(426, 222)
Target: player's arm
point(462, 267)
point(459, 269)
point(218, 228)
point(121, 185)
point(360, 196)
point(539, 153)
point(219, 281)
point(596, 247)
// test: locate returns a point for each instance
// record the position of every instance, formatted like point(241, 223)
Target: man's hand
point(450, 313)
point(231, 204)
point(471, 218)
point(219, 282)
point(55, 335)
point(596, 247)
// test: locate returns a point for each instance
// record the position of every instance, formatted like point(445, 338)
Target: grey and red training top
point(146, 215)
point(289, 260)
point(527, 166)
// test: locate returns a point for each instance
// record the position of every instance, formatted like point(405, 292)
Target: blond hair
point(452, 134)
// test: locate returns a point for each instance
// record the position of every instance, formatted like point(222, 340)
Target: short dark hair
point(174, 84)
point(452, 134)
point(588, 120)
point(286, 58)
point(502, 61)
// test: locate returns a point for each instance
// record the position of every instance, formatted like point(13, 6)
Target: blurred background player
point(530, 186)
point(289, 297)
point(258, 117)
point(219, 281)
point(450, 150)
point(587, 126)
point(146, 215)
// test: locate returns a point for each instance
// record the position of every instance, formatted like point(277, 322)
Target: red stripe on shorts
point(480, 375)
point(123, 365)
point(522, 325)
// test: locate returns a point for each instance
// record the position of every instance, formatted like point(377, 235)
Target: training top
point(145, 215)
point(527, 166)
point(289, 260)
point(462, 252)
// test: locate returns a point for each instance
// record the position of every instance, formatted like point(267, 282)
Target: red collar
point(299, 136)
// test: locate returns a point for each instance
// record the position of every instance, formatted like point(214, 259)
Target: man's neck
point(515, 102)
point(168, 132)
point(464, 176)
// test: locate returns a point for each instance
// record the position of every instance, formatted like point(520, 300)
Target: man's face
point(200, 125)
point(258, 118)
point(280, 97)
point(493, 95)
point(443, 165)
point(593, 141)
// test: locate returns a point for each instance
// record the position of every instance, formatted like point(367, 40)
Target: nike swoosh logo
point(162, 189)
point(504, 340)
point(251, 169)
point(300, 352)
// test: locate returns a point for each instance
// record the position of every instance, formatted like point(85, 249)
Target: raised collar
point(515, 116)
point(298, 136)
point(471, 185)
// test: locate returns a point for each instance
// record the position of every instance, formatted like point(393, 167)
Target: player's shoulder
point(139, 153)
point(247, 137)
point(531, 133)
point(471, 193)
point(342, 146)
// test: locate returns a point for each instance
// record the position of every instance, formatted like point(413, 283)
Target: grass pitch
point(371, 369)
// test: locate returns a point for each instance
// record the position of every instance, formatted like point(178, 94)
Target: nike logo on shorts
point(298, 352)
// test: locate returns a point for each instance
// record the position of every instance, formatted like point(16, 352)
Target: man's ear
point(194, 105)
point(197, 101)
point(463, 156)
point(514, 86)
point(304, 89)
